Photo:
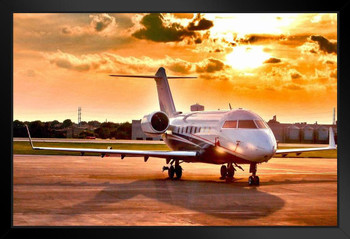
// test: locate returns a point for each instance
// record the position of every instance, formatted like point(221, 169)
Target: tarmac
point(95, 191)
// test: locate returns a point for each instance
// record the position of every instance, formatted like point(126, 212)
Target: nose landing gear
point(253, 180)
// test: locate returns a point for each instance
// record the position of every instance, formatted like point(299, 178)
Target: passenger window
point(261, 124)
point(230, 124)
point(194, 130)
point(246, 124)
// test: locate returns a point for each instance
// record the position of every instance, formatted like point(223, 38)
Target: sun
point(247, 57)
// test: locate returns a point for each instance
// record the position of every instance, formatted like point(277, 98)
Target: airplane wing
point(331, 146)
point(122, 153)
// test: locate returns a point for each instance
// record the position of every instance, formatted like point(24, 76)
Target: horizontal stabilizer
point(155, 77)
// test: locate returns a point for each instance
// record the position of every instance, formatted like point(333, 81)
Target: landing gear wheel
point(178, 171)
point(230, 172)
point(171, 172)
point(253, 180)
point(223, 171)
point(250, 181)
point(256, 180)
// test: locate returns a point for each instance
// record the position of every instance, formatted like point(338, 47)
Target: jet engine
point(155, 123)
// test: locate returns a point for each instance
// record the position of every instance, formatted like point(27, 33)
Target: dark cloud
point(324, 44)
point(199, 24)
point(180, 67)
point(198, 40)
point(272, 60)
point(101, 21)
point(295, 76)
point(293, 40)
point(212, 66)
point(254, 38)
point(155, 30)
point(66, 30)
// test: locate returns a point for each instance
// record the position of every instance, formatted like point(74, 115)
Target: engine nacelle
point(155, 123)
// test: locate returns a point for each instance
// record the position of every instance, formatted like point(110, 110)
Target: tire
point(256, 180)
point(250, 181)
point(230, 172)
point(223, 171)
point(171, 172)
point(178, 172)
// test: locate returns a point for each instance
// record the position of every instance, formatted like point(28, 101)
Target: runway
point(95, 191)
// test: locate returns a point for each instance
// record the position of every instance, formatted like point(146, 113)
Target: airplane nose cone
point(266, 148)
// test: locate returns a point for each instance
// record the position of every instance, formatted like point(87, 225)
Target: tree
point(67, 123)
point(19, 129)
point(54, 123)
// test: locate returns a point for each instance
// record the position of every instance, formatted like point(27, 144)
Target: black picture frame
point(8, 7)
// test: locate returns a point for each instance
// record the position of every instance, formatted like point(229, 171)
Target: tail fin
point(165, 97)
point(331, 138)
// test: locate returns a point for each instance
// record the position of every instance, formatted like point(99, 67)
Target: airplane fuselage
point(235, 136)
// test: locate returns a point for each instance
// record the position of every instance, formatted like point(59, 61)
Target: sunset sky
point(273, 64)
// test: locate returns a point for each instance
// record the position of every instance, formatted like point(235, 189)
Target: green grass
point(25, 148)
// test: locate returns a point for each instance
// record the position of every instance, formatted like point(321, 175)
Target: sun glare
point(247, 57)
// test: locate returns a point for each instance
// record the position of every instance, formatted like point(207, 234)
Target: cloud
point(222, 77)
point(75, 33)
point(324, 44)
point(295, 76)
point(112, 63)
point(212, 65)
point(183, 15)
point(254, 38)
point(180, 67)
point(334, 74)
point(101, 21)
point(200, 24)
point(273, 60)
point(155, 30)
point(292, 87)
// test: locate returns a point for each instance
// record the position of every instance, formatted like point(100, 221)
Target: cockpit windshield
point(261, 124)
point(243, 119)
point(245, 124)
point(230, 124)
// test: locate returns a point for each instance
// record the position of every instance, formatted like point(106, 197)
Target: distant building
point(301, 132)
point(197, 107)
point(137, 133)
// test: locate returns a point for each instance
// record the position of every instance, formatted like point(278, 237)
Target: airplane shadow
point(230, 201)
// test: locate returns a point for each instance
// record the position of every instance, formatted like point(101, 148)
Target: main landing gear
point(227, 172)
point(253, 180)
point(172, 171)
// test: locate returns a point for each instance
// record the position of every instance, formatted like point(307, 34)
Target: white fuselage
point(238, 136)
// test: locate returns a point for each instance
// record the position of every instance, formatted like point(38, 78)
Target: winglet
point(331, 138)
point(30, 138)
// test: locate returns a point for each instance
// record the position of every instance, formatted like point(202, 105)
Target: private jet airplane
point(227, 137)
